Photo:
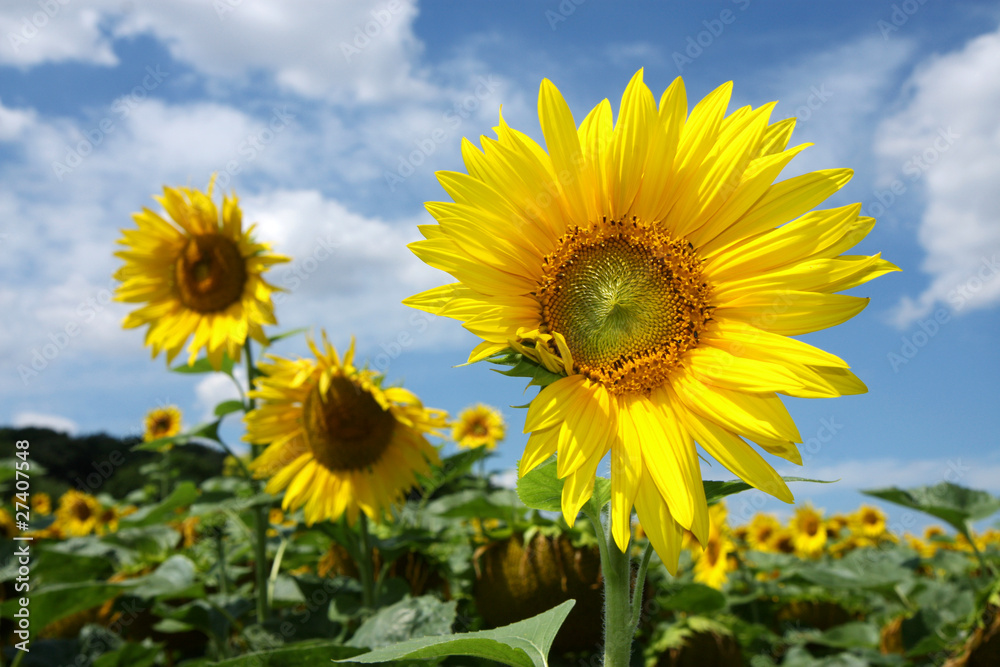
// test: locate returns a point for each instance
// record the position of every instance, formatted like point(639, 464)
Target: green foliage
point(523, 644)
point(953, 504)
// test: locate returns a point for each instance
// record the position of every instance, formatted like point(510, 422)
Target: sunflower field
point(652, 297)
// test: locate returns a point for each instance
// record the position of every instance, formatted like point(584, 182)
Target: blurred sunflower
point(479, 426)
point(654, 263)
point(338, 441)
point(868, 522)
point(712, 563)
point(162, 423)
point(77, 513)
point(200, 276)
point(761, 531)
point(808, 531)
point(8, 528)
point(41, 503)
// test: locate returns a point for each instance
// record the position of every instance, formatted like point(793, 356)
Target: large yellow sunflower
point(479, 426)
point(656, 265)
point(162, 423)
point(338, 441)
point(77, 513)
point(200, 276)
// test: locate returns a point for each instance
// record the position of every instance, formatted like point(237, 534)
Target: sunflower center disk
point(628, 299)
point(347, 429)
point(210, 273)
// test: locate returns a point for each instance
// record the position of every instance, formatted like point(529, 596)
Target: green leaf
point(949, 502)
point(313, 652)
point(228, 407)
point(716, 491)
point(208, 430)
point(285, 334)
point(408, 619)
point(173, 576)
point(862, 568)
point(522, 644)
point(695, 598)
point(204, 366)
point(521, 366)
point(540, 489)
point(131, 655)
point(50, 603)
point(184, 494)
point(472, 504)
point(855, 634)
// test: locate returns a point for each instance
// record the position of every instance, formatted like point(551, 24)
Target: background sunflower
point(338, 442)
point(200, 275)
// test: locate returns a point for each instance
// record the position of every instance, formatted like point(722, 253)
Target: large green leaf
point(50, 603)
point(862, 568)
point(173, 576)
point(407, 619)
point(313, 652)
point(184, 494)
point(716, 491)
point(695, 598)
point(949, 502)
point(522, 644)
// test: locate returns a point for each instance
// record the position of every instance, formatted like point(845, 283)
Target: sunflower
point(41, 503)
point(713, 563)
point(200, 276)
point(479, 426)
point(657, 267)
point(77, 513)
point(339, 441)
point(8, 528)
point(162, 423)
point(869, 522)
point(808, 531)
point(762, 529)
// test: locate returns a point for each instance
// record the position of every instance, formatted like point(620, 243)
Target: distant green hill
point(101, 463)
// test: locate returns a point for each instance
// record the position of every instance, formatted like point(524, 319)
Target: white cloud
point(947, 139)
point(14, 123)
point(216, 388)
point(835, 95)
point(54, 31)
point(40, 420)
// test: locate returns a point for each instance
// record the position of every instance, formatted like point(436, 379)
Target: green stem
point(220, 550)
point(616, 569)
point(971, 538)
point(260, 516)
point(366, 565)
point(640, 582)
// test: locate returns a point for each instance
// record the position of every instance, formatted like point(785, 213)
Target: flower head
point(198, 275)
point(78, 513)
point(162, 423)
point(654, 264)
point(339, 442)
point(479, 426)
point(809, 531)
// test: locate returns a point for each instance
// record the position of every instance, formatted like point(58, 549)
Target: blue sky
point(331, 137)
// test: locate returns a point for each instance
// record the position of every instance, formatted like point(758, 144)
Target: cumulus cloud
point(41, 420)
point(55, 31)
point(215, 388)
point(947, 139)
